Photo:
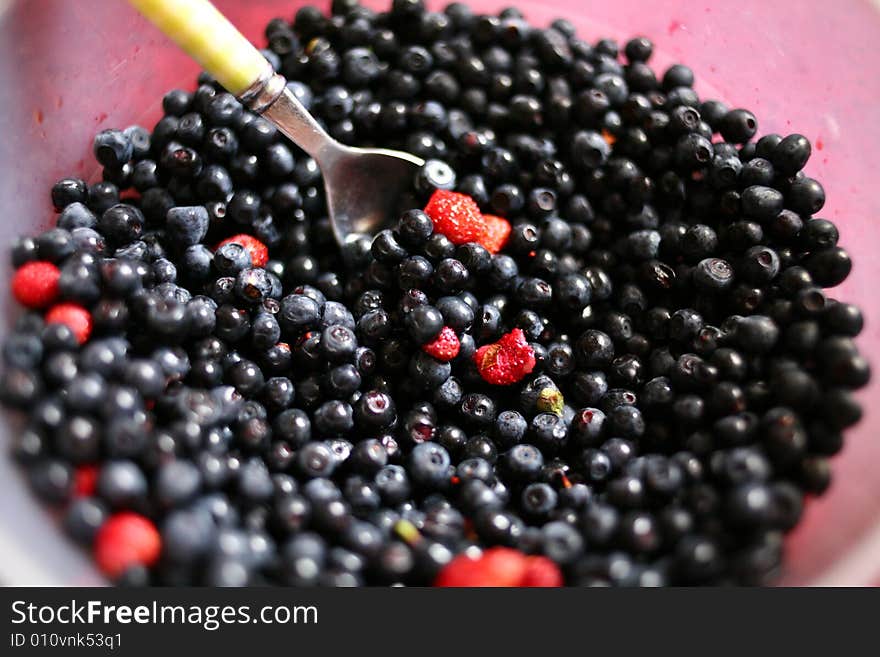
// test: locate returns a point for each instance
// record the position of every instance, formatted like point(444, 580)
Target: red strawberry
point(257, 250)
point(444, 347)
point(461, 571)
point(35, 284)
point(495, 567)
point(500, 566)
point(497, 232)
point(85, 479)
point(507, 361)
point(540, 571)
point(457, 216)
point(126, 539)
point(505, 566)
point(76, 317)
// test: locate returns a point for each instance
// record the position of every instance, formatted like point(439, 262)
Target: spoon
point(362, 185)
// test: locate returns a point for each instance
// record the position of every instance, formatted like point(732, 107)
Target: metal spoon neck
point(270, 97)
point(264, 91)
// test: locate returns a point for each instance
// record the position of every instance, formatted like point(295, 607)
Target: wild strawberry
point(498, 566)
point(444, 347)
point(497, 232)
point(76, 317)
point(257, 250)
point(35, 284)
point(85, 479)
point(507, 361)
point(540, 571)
point(457, 216)
point(126, 539)
point(505, 566)
point(461, 571)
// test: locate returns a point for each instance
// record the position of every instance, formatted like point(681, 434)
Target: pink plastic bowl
point(68, 69)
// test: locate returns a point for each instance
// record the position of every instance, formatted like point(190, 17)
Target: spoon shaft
point(203, 32)
point(295, 121)
point(362, 185)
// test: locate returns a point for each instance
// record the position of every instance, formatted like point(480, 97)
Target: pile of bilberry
point(601, 354)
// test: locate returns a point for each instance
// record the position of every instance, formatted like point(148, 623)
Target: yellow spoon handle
point(209, 38)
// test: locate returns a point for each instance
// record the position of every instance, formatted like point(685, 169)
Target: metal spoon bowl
point(362, 185)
